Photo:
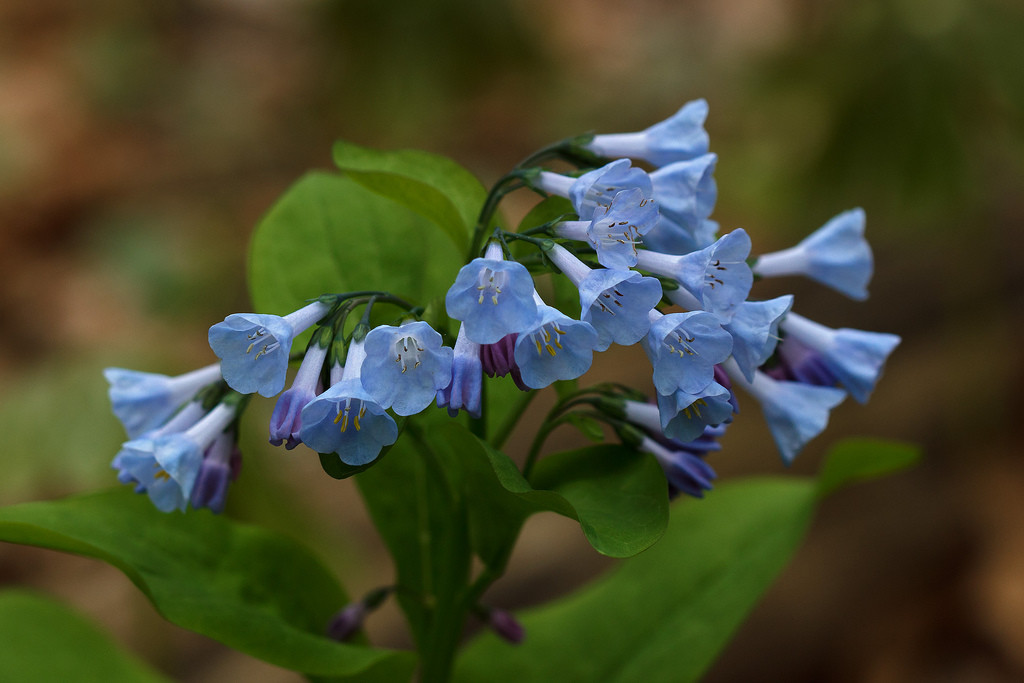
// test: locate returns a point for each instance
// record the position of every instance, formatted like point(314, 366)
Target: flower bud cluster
point(650, 268)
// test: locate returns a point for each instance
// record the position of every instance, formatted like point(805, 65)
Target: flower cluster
point(650, 267)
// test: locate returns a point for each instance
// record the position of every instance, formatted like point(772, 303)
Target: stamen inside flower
point(684, 344)
point(402, 349)
point(491, 282)
point(343, 414)
point(550, 341)
point(255, 338)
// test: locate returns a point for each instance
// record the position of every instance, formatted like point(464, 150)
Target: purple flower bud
point(498, 359)
point(347, 621)
point(506, 626)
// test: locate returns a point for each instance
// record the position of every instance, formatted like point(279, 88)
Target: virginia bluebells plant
point(633, 244)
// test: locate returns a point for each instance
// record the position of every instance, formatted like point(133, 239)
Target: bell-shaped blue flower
point(615, 302)
point(592, 193)
point(465, 391)
point(755, 331)
point(677, 138)
point(717, 276)
point(684, 348)
point(165, 466)
point(684, 416)
point(556, 347)
point(345, 419)
point(492, 297)
point(144, 400)
point(686, 193)
point(816, 354)
point(286, 420)
point(220, 467)
point(615, 233)
point(254, 347)
point(406, 366)
point(795, 412)
point(836, 255)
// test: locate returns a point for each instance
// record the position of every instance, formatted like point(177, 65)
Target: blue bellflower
point(615, 302)
point(836, 255)
point(286, 420)
point(166, 465)
point(556, 347)
point(406, 366)
point(593, 192)
point(465, 391)
point(717, 277)
point(492, 297)
point(684, 416)
point(684, 348)
point(254, 347)
point(345, 419)
point(615, 233)
point(677, 138)
point(755, 331)
point(795, 412)
point(144, 400)
point(816, 354)
point(686, 193)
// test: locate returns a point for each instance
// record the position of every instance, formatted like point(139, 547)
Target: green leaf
point(433, 186)
point(44, 640)
point(618, 496)
point(255, 591)
point(856, 460)
point(666, 614)
point(328, 233)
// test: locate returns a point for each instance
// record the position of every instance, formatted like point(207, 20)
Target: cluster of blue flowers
point(650, 268)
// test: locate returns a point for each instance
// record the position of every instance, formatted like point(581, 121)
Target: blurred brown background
point(140, 143)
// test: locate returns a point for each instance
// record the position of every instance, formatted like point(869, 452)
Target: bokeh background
point(141, 141)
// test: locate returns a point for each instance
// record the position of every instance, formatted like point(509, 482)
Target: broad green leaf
point(665, 614)
point(328, 233)
point(863, 459)
point(618, 496)
point(255, 591)
point(44, 640)
point(433, 186)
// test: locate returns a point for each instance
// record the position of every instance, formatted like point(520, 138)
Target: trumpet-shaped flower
point(684, 348)
point(615, 233)
point(345, 419)
point(556, 347)
point(684, 416)
point(686, 193)
point(677, 138)
point(795, 412)
point(286, 420)
point(593, 192)
point(815, 354)
point(492, 297)
point(465, 391)
point(144, 400)
point(755, 331)
point(254, 347)
point(406, 366)
point(615, 302)
point(717, 276)
point(165, 466)
point(836, 255)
